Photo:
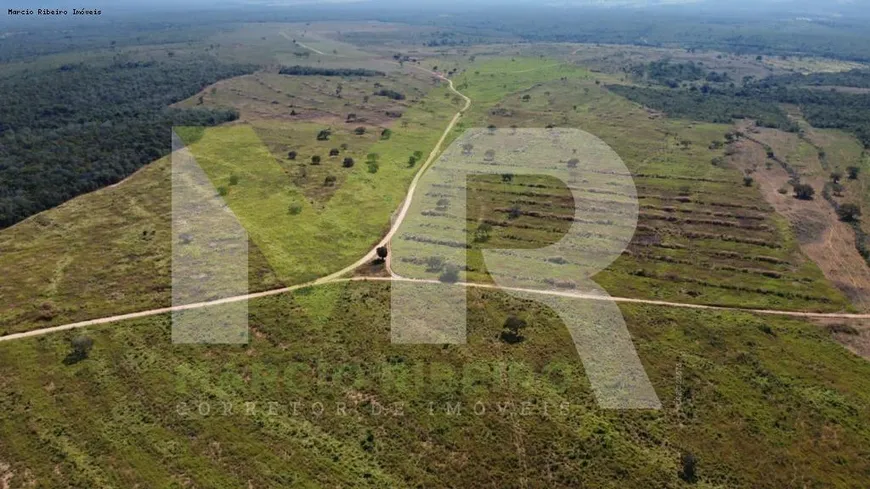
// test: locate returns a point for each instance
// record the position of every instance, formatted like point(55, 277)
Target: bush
point(348, 162)
point(804, 191)
point(294, 209)
point(434, 264)
point(689, 463)
point(747, 181)
point(81, 348)
point(315, 160)
point(324, 135)
point(234, 179)
point(386, 133)
point(450, 274)
point(511, 332)
point(853, 172)
point(359, 131)
point(329, 181)
point(849, 212)
point(334, 152)
point(291, 155)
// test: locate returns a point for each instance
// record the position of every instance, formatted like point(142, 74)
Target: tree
point(351, 117)
point(223, 191)
point(450, 274)
point(836, 176)
point(234, 179)
point(324, 135)
point(481, 234)
point(511, 330)
point(291, 155)
point(573, 162)
point(382, 254)
point(294, 209)
point(507, 177)
point(412, 161)
point(434, 264)
point(689, 463)
point(853, 172)
point(334, 152)
point(348, 162)
point(747, 181)
point(359, 131)
point(81, 348)
point(467, 148)
point(489, 155)
point(804, 191)
point(849, 212)
point(315, 160)
point(386, 133)
point(329, 181)
point(514, 212)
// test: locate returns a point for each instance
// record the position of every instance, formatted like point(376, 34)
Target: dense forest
point(666, 73)
point(72, 130)
point(315, 71)
point(761, 101)
point(853, 78)
point(707, 104)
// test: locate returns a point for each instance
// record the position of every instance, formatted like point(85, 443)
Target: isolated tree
point(836, 176)
point(838, 189)
point(450, 274)
point(351, 117)
point(80, 349)
point(853, 172)
point(507, 177)
point(359, 131)
point(324, 135)
point(315, 160)
point(223, 191)
point(526, 97)
point(511, 330)
point(515, 212)
point(386, 133)
point(747, 181)
point(434, 264)
point(689, 470)
point(489, 155)
point(348, 162)
point(849, 212)
point(442, 204)
point(234, 179)
point(573, 162)
point(329, 181)
point(382, 254)
point(467, 148)
point(482, 233)
point(334, 152)
point(291, 155)
point(804, 191)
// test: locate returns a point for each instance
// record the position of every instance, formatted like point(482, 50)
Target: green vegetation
point(316, 71)
point(84, 126)
point(748, 398)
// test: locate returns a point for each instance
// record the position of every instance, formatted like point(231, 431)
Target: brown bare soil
point(823, 238)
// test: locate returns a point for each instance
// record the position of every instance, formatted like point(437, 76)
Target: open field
point(756, 400)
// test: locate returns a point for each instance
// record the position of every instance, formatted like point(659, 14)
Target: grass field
point(759, 403)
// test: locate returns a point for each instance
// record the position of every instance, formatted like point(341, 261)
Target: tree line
point(316, 71)
point(76, 129)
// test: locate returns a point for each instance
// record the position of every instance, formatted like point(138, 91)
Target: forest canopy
point(81, 127)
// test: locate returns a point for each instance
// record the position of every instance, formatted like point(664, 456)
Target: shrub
point(434, 264)
point(294, 209)
point(334, 152)
point(853, 172)
point(385, 134)
point(511, 332)
point(291, 155)
point(849, 212)
point(324, 135)
point(81, 348)
point(689, 463)
point(329, 181)
point(348, 162)
point(234, 179)
point(359, 131)
point(450, 274)
point(804, 191)
point(315, 160)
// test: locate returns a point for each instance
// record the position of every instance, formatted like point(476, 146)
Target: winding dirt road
point(397, 221)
